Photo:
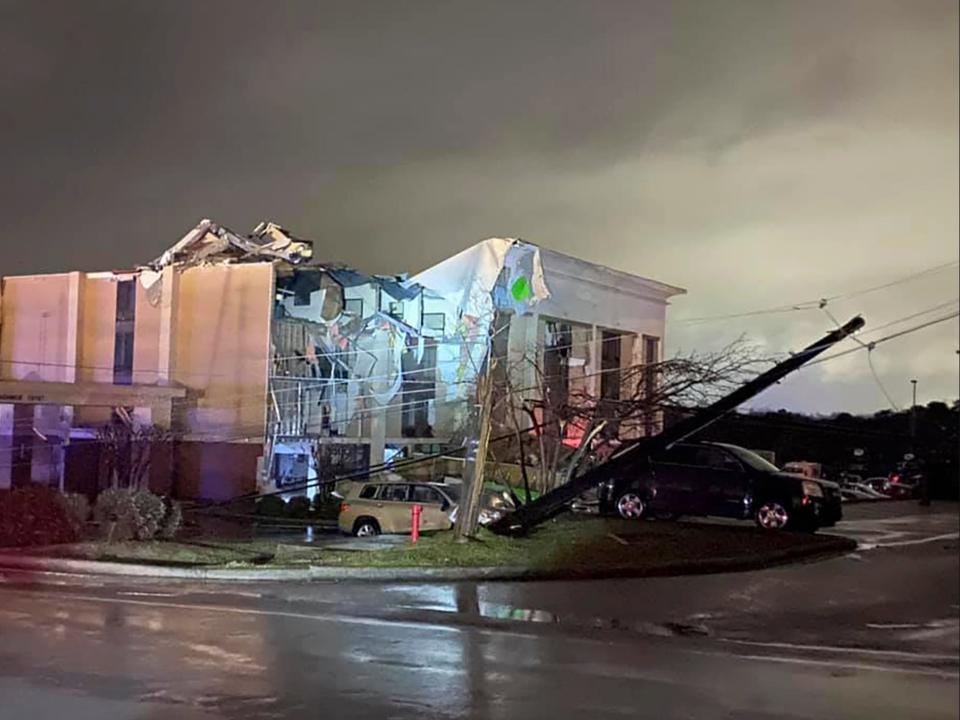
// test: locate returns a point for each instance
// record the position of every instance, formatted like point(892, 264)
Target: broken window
point(291, 468)
point(302, 296)
point(124, 332)
point(419, 387)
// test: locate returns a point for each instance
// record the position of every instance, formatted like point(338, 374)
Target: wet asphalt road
point(870, 635)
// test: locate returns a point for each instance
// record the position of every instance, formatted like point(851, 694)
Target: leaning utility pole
point(632, 455)
point(476, 459)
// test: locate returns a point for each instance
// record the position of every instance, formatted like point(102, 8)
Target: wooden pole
point(476, 460)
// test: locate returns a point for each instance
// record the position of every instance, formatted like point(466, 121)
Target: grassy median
point(567, 545)
point(573, 544)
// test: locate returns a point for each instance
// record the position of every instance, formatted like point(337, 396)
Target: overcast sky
point(756, 153)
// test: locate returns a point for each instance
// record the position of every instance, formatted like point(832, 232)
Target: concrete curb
point(30, 563)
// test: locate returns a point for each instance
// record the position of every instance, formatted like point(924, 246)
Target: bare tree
point(573, 426)
point(127, 449)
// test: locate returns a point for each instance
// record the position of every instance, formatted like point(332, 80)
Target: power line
point(892, 283)
point(874, 343)
point(822, 302)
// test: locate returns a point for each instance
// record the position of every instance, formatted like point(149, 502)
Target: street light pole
point(924, 480)
point(913, 419)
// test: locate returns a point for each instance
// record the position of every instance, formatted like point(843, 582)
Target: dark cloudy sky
point(756, 153)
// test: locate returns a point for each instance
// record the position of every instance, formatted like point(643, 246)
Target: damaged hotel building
point(272, 367)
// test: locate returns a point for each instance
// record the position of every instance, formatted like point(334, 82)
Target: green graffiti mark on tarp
point(521, 289)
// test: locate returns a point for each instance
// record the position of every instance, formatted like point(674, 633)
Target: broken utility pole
point(476, 459)
point(635, 453)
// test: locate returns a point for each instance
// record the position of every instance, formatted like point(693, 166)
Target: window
point(396, 310)
point(434, 322)
point(302, 295)
point(679, 455)
point(714, 458)
point(753, 460)
point(126, 300)
point(368, 492)
point(426, 495)
point(291, 468)
point(354, 307)
point(418, 389)
point(610, 365)
point(651, 360)
point(125, 322)
point(394, 493)
point(558, 339)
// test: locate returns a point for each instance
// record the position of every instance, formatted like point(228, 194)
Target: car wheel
point(366, 527)
point(631, 506)
point(772, 516)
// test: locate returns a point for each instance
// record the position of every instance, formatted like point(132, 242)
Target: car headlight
point(811, 488)
point(489, 516)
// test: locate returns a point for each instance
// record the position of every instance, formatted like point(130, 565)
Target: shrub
point(34, 516)
point(150, 514)
point(326, 507)
point(78, 509)
point(116, 513)
point(299, 507)
point(271, 506)
point(172, 520)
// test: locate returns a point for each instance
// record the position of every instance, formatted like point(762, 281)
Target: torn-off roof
point(210, 242)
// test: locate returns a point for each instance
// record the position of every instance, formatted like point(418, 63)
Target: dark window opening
point(610, 380)
point(302, 296)
point(124, 332)
point(292, 468)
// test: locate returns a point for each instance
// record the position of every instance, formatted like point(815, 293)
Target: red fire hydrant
point(415, 524)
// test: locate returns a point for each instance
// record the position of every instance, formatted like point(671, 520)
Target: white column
point(74, 329)
point(6, 445)
point(170, 287)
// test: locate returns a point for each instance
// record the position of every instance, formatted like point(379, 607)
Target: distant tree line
point(867, 445)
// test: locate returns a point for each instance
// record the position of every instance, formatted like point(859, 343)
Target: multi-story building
point(273, 368)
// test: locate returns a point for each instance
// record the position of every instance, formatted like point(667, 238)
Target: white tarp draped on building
point(499, 273)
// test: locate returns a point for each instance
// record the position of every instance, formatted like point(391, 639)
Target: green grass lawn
point(172, 553)
point(570, 543)
point(575, 542)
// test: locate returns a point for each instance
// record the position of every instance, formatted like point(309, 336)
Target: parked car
point(876, 483)
point(721, 480)
point(900, 487)
point(371, 508)
point(861, 491)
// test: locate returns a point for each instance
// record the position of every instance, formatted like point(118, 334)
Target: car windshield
point(752, 459)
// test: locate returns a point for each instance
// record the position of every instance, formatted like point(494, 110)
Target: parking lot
point(899, 524)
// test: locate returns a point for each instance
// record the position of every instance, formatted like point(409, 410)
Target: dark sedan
point(721, 480)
